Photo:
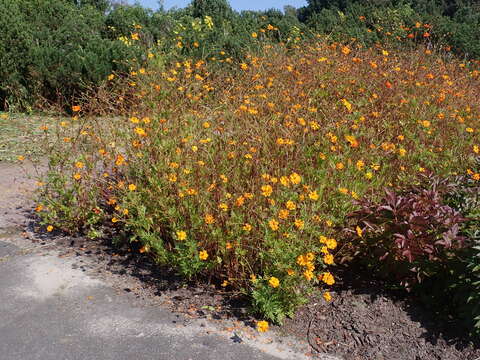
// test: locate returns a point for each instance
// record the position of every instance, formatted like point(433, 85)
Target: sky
point(236, 4)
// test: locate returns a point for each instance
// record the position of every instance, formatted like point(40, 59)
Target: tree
point(101, 5)
point(290, 11)
point(217, 9)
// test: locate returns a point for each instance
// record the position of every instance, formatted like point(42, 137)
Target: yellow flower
point(339, 166)
point(328, 259)
point(140, 131)
point(359, 231)
point(254, 35)
point(49, 228)
point(77, 176)
point(327, 296)
point(274, 282)
point(120, 160)
point(273, 224)
point(313, 195)
point(295, 178)
point(203, 255)
point(290, 205)
point(266, 190)
point(79, 165)
point(75, 108)
point(328, 278)
point(132, 187)
point(476, 149)
point(300, 224)
point(262, 326)
point(331, 244)
point(369, 175)
point(308, 275)
point(223, 207)
point(283, 214)
point(426, 123)
point(172, 177)
point(247, 227)
point(181, 235)
point(347, 104)
point(291, 272)
point(302, 260)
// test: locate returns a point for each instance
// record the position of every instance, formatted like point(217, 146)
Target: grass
point(22, 135)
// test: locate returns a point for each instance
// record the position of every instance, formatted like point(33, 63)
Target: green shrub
point(52, 51)
point(462, 281)
point(454, 23)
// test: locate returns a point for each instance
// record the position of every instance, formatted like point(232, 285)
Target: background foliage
point(52, 51)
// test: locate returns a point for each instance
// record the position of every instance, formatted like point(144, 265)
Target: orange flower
point(273, 224)
point(346, 50)
point(209, 219)
point(262, 326)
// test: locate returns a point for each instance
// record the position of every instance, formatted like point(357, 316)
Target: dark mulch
point(362, 322)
